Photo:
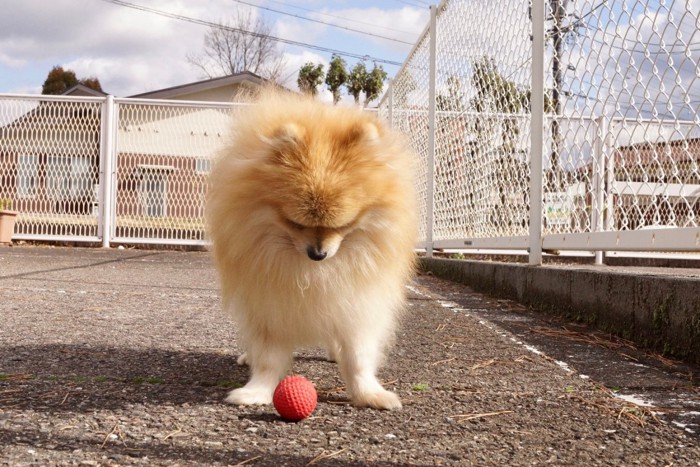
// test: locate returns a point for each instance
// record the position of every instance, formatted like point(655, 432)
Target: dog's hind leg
point(333, 351)
point(269, 363)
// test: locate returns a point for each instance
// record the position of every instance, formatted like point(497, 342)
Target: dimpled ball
point(295, 398)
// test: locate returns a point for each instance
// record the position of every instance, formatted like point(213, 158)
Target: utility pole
point(558, 13)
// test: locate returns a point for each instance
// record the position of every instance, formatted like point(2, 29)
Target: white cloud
point(637, 62)
point(133, 51)
point(404, 24)
point(129, 51)
point(11, 62)
point(298, 30)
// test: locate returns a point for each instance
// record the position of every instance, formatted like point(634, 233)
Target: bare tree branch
point(227, 50)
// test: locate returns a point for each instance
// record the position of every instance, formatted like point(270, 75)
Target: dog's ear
point(287, 136)
point(370, 132)
point(362, 133)
point(284, 142)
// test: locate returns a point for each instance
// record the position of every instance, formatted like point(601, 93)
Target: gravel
point(122, 357)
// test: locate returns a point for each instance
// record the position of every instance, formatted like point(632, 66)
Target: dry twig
point(325, 455)
point(247, 461)
point(472, 416)
point(443, 361)
point(174, 433)
point(611, 342)
point(115, 428)
point(621, 408)
point(492, 362)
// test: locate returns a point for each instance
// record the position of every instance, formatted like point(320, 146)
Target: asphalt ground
point(123, 357)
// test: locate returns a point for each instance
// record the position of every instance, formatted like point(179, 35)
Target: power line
point(340, 17)
point(251, 33)
point(323, 22)
point(418, 4)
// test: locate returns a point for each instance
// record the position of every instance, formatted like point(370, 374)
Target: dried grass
point(472, 416)
point(326, 455)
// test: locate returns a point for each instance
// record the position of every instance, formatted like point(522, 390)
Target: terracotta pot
point(7, 225)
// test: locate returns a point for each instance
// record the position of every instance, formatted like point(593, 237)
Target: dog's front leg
point(359, 358)
point(269, 363)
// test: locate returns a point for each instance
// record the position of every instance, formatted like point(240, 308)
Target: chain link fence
point(617, 134)
point(621, 133)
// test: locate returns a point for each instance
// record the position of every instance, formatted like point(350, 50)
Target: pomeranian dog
point(311, 214)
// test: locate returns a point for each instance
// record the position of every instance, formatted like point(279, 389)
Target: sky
point(628, 58)
point(132, 51)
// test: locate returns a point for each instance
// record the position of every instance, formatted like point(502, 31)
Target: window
point(68, 178)
point(153, 189)
point(27, 165)
point(203, 166)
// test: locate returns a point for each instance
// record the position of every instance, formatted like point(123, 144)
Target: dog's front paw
point(242, 359)
point(383, 400)
point(249, 396)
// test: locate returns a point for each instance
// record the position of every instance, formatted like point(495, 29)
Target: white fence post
point(108, 154)
point(430, 192)
point(599, 180)
point(609, 215)
point(390, 100)
point(536, 132)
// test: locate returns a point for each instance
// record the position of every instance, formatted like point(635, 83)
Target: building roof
point(244, 77)
point(82, 90)
point(645, 153)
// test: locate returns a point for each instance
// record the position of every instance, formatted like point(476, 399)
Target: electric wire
point(251, 33)
point(323, 22)
point(340, 17)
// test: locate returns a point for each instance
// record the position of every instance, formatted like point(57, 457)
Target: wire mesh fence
point(163, 159)
point(62, 159)
point(621, 152)
point(49, 165)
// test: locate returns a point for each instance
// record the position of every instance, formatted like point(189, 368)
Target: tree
point(337, 76)
point(404, 85)
point(356, 81)
point(242, 45)
point(310, 77)
point(92, 83)
point(374, 83)
point(59, 81)
point(453, 101)
point(495, 93)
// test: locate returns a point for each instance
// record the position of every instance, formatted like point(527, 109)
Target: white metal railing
point(555, 125)
point(577, 131)
point(50, 165)
point(109, 169)
point(164, 152)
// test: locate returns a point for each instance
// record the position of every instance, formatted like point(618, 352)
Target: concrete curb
point(658, 312)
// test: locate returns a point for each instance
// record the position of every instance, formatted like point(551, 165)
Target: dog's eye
point(349, 226)
point(295, 225)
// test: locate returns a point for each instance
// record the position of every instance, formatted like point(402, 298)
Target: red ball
point(295, 398)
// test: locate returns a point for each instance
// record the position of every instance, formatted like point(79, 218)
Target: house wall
point(210, 95)
point(220, 94)
point(185, 187)
point(46, 199)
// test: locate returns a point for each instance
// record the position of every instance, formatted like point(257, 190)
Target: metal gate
point(109, 170)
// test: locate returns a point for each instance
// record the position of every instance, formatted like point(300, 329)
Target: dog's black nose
point(316, 254)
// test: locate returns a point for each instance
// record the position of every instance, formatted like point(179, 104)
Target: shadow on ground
point(59, 377)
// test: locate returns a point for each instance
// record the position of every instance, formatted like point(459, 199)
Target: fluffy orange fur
point(312, 218)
